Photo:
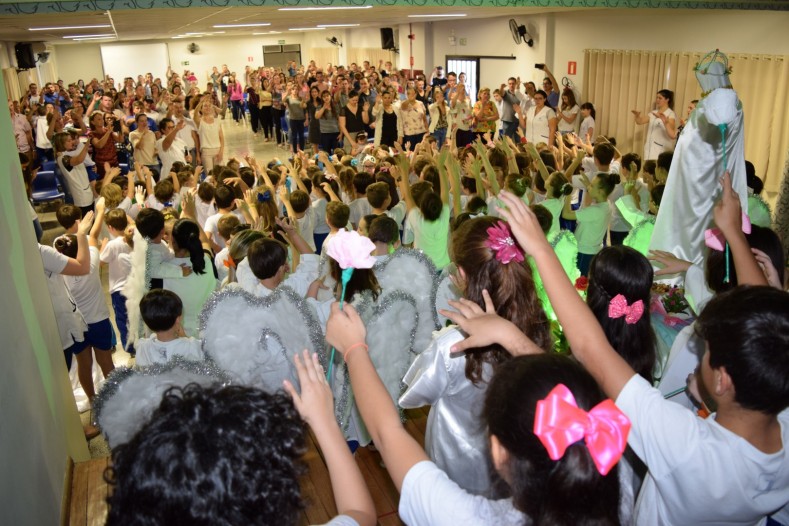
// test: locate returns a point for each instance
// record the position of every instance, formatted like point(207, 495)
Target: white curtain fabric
point(618, 81)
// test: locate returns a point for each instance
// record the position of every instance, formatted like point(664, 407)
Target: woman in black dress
point(314, 130)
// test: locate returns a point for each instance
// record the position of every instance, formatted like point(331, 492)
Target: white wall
point(666, 30)
point(492, 37)
point(79, 61)
point(41, 426)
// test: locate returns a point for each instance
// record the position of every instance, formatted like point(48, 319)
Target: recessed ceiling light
point(304, 28)
point(262, 24)
point(268, 33)
point(329, 8)
point(437, 15)
point(337, 25)
point(113, 37)
point(67, 27)
point(197, 34)
point(102, 35)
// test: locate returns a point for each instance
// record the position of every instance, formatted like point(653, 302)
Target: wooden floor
point(88, 506)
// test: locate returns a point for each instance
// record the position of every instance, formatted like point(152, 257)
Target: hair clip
point(560, 423)
point(500, 240)
point(264, 197)
point(618, 307)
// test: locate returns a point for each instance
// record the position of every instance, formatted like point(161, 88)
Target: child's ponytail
point(186, 234)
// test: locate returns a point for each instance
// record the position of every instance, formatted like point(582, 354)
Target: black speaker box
point(387, 38)
point(24, 56)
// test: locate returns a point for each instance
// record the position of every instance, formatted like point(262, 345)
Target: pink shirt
point(21, 129)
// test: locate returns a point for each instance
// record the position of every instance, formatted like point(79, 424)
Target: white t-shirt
point(306, 225)
point(185, 134)
point(700, 472)
point(117, 254)
point(219, 261)
point(359, 208)
point(565, 126)
point(211, 227)
point(592, 226)
point(174, 202)
point(174, 154)
point(193, 290)
point(618, 221)
point(151, 350)
point(428, 496)
point(87, 292)
point(586, 125)
point(41, 134)
point(204, 211)
point(397, 212)
point(77, 180)
point(431, 237)
point(71, 325)
point(319, 208)
point(209, 134)
point(306, 272)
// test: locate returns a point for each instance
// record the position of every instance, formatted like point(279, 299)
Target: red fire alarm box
point(571, 68)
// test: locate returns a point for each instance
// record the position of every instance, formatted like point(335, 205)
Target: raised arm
point(80, 265)
point(400, 452)
point(587, 339)
point(316, 407)
point(728, 217)
point(401, 177)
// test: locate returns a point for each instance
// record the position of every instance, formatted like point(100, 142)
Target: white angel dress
point(693, 180)
point(456, 439)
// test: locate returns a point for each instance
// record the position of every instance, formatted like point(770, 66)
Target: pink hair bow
point(618, 307)
point(713, 237)
point(501, 242)
point(560, 423)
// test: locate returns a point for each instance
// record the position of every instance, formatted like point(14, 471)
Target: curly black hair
point(211, 456)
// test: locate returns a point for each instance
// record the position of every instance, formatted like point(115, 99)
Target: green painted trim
point(30, 7)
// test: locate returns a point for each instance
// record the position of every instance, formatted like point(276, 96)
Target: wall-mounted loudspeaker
point(387, 38)
point(25, 59)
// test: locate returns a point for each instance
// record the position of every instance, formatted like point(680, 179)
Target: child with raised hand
point(593, 219)
point(487, 259)
point(735, 458)
point(544, 478)
point(427, 221)
point(116, 253)
point(266, 266)
point(89, 299)
point(162, 312)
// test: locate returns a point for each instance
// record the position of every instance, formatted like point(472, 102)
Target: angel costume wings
point(400, 324)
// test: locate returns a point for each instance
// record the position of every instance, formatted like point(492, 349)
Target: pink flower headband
point(618, 307)
point(560, 423)
point(501, 242)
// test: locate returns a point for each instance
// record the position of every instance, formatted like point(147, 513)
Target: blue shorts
point(99, 335)
point(73, 350)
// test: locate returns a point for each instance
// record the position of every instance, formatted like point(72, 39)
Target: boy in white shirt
point(620, 227)
point(379, 198)
point(162, 311)
point(116, 253)
point(224, 199)
point(731, 467)
point(266, 266)
point(360, 207)
point(298, 207)
point(226, 225)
